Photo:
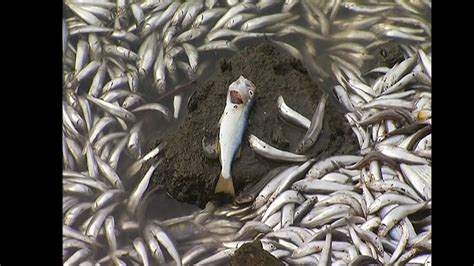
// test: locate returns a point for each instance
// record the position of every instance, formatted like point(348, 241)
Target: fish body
point(240, 98)
point(65, 37)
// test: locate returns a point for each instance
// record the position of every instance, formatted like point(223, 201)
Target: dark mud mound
point(253, 254)
point(387, 55)
point(189, 176)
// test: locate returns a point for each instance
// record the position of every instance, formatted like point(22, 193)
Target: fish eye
point(250, 92)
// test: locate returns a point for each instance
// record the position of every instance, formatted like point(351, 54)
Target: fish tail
point(225, 185)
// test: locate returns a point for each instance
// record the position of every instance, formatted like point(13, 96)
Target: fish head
point(349, 5)
point(241, 91)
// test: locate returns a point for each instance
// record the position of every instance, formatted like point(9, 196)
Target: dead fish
point(233, 122)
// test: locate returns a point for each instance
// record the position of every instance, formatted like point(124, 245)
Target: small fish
point(65, 37)
point(166, 242)
point(209, 15)
point(288, 5)
point(74, 212)
point(291, 115)
point(193, 55)
point(140, 248)
point(268, 189)
point(315, 128)
point(240, 98)
point(158, 19)
point(218, 45)
point(112, 109)
point(342, 96)
point(87, 29)
point(147, 52)
point(289, 196)
point(365, 9)
point(272, 153)
point(197, 251)
point(108, 197)
point(263, 21)
point(239, 8)
point(78, 257)
point(238, 20)
point(425, 61)
point(137, 13)
point(85, 15)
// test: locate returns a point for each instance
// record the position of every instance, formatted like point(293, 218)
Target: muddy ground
point(189, 176)
point(253, 254)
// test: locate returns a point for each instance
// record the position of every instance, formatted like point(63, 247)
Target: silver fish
point(289, 196)
point(292, 177)
point(263, 21)
point(312, 134)
point(397, 214)
point(98, 219)
point(197, 251)
point(74, 212)
point(65, 37)
point(159, 71)
point(110, 232)
point(138, 192)
point(233, 122)
point(112, 109)
point(270, 152)
point(137, 13)
point(238, 19)
point(193, 55)
point(291, 115)
point(269, 188)
point(313, 185)
point(78, 257)
point(109, 173)
point(362, 9)
point(158, 19)
point(155, 107)
point(426, 62)
point(218, 45)
point(166, 241)
point(153, 245)
point(139, 245)
point(87, 29)
point(208, 16)
point(193, 10)
point(147, 52)
point(232, 12)
point(222, 256)
point(252, 227)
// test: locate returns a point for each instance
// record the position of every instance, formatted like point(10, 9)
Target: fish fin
point(225, 185)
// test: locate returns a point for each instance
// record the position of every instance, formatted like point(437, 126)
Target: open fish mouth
point(235, 97)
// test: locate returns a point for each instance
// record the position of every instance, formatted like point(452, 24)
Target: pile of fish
point(123, 58)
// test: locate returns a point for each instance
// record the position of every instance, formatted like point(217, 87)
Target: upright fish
point(233, 123)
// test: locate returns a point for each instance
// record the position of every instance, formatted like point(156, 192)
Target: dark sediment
point(253, 254)
point(387, 55)
point(189, 176)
